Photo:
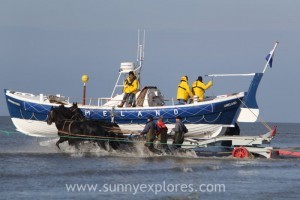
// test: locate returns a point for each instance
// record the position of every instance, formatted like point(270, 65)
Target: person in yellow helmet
point(183, 91)
point(130, 89)
point(199, 88)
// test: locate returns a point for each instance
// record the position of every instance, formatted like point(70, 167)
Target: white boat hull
point(42, 129)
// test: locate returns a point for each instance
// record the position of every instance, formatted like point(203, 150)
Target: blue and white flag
point(271, 54)
point(269, 57)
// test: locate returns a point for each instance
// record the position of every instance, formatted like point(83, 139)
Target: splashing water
point(92, 149)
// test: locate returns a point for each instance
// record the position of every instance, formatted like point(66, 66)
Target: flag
point(270, 59)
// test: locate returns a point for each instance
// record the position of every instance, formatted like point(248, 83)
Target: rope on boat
point(260, 118)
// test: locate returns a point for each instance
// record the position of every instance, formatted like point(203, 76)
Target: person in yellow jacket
point(199, 88)
point(130, 89)
point(183, 91)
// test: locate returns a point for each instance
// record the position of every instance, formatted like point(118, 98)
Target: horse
point(110, 127)
point(74, 128)
point(77, 113)
point(65, 115)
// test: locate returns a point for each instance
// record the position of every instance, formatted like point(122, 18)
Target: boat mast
point(140, 56)
point(129, 66)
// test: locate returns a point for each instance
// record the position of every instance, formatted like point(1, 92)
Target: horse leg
point(102, 144)
point(74, 142)
point(77, 144)
point(114, 144)
point(61, 140)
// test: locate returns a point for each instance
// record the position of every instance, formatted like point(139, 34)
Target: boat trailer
point(239, 146)
point(235, 146)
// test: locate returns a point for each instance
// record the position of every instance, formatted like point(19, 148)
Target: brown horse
point(72, 127)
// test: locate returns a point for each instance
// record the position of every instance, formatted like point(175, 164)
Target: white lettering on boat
point(175, 112)
point(87, 113)
point(140, 114)
point(104, 113)
point(230, 104)
point(157, 113)
point(122, 114)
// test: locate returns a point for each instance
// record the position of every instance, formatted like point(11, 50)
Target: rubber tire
point(240, 152)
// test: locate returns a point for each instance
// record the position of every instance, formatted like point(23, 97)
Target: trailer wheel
point(240, 152)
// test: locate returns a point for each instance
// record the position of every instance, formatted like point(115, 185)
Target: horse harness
point(68, 131)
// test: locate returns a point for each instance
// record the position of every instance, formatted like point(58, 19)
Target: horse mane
point(77, 112)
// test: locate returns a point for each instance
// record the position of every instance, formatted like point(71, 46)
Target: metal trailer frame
point(252, 144)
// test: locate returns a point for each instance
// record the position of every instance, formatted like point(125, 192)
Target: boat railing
point(101, 101)
point(170, 101)
point(173, 101)
point(69, 100)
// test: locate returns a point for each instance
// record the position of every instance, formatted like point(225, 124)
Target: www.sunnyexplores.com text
point(155, 188)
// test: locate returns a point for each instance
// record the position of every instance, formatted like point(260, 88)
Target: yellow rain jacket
point(199, 88)
point(130, 87)
point(183, 90)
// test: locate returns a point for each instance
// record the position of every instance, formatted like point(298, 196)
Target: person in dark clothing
point(180, 129)
point(150, 129)
point(162, 133)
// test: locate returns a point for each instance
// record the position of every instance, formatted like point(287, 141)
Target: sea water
point(33, 168)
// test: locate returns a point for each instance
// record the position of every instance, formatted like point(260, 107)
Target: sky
point(46, 46)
